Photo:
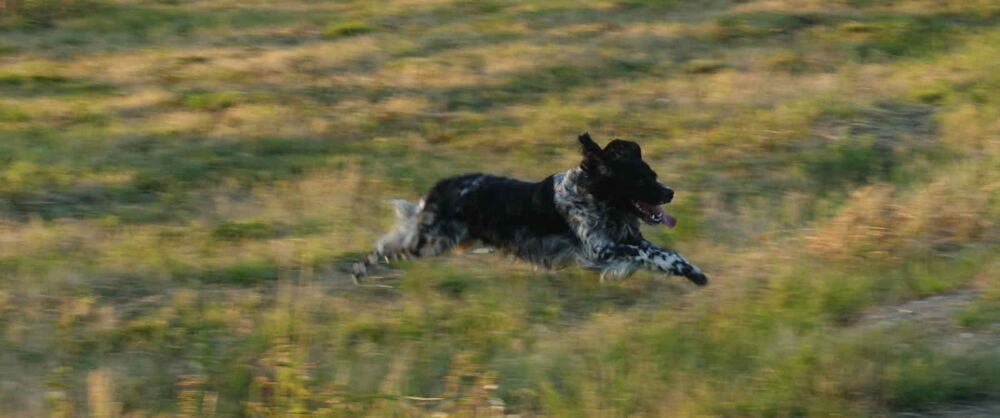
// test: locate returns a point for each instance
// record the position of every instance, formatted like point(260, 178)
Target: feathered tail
point(393, 244)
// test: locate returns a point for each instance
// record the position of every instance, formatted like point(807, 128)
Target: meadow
point(184, 183)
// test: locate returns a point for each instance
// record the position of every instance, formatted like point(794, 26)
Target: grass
point(984, 311)
point(183, 185)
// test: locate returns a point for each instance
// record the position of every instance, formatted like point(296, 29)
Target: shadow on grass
point(140, 25)
point(35, 85)
point(167, 171)
point(527, 87)
point(171, 175)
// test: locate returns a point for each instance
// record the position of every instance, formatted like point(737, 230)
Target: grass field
point(183, 184)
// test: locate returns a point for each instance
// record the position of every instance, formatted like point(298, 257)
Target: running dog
point(588, 215)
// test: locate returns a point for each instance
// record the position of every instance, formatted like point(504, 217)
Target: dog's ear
point(589, 146)
point(593, 157)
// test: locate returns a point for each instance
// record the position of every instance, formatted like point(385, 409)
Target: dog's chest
point(588, 218)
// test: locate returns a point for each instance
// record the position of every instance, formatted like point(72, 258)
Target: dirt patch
point(935, 312)
point(936, 315)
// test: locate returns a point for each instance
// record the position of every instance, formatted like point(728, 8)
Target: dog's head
point(618, 176)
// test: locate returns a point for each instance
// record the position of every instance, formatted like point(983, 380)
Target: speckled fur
point(609, 238)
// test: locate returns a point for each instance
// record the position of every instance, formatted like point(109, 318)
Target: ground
point(184, 183)
point(938, 314)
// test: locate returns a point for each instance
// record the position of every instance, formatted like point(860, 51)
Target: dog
point(589, 215)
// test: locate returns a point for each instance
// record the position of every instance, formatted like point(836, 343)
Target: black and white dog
point(589, 214)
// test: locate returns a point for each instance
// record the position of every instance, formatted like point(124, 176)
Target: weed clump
point(347, 28)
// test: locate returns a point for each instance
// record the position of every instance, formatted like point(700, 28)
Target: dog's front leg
point(622, 259)
point(659, 259)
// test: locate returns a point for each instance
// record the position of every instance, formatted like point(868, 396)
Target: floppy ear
point(589, 146)
point(593, 157)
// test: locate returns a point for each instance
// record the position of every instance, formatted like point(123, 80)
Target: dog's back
point(500, 210)
point(516, 217)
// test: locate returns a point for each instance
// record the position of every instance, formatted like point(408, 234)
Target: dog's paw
point(698, 279)
point(358, 271)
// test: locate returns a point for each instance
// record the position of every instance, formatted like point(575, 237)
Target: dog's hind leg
point(419, 232)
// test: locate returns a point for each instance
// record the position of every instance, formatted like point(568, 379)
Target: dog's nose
point(668, 194)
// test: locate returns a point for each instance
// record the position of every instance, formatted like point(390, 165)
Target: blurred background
point(184, 183)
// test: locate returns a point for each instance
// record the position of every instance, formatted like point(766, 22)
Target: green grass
point(980, 315)
point(184, 184)
point(983, 312)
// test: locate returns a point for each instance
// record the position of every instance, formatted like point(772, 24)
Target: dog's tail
point(402, 234)
point(404, 210)
point(395, 243)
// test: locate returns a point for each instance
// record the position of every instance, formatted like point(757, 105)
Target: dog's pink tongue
point(665, 218)
point(668, 220)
